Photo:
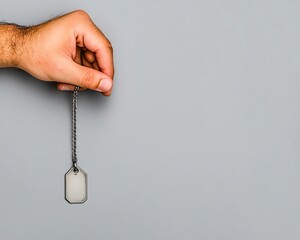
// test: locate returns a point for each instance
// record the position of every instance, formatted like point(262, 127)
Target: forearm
point(10, 45)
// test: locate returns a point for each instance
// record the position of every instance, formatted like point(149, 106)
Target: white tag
point(76, 185)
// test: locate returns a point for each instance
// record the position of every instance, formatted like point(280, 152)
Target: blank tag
point(76, 185)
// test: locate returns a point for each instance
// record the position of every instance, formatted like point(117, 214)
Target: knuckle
point(109, 45)
point(88, 80)
point(81, 13)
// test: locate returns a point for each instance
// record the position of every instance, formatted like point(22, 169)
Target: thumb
point(86, 77)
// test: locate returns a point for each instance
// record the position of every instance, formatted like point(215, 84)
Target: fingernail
point(66, 88)
point(105, 85)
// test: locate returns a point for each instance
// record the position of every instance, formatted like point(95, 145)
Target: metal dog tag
point(76, 185)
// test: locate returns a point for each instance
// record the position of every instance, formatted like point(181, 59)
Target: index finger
point(88, 35)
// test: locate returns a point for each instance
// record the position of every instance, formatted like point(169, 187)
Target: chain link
point(74, 129)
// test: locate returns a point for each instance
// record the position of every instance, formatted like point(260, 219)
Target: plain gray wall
point(200, 139)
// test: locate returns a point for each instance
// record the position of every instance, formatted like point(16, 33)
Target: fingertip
point(107, 94)
point(89, 56)
point(65, 87)
point(105, 85)
point(61, 87)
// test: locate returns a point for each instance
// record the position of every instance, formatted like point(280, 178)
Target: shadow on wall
point(17, 79)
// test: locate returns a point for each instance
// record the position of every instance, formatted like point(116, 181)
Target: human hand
point(69, 50)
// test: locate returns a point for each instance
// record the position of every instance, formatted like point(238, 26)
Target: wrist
point(11, 38)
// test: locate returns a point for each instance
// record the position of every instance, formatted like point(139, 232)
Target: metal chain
point(74, 129)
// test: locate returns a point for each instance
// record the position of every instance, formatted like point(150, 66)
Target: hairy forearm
point(10, 45)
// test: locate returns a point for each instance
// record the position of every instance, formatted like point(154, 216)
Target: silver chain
point(74, 129)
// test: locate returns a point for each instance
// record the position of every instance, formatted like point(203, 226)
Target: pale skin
point(69, 50)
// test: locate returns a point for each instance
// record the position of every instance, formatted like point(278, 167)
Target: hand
point(69, 50)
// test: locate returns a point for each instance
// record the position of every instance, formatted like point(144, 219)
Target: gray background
point(200, 139)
